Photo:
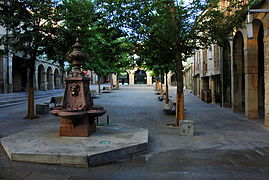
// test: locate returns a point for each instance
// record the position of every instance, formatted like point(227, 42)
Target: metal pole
point(7, 62)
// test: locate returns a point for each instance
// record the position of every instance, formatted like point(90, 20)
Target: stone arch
point(140, 77)
point(173, 80)
point(50, 78)
point(226, 75)
point(41, 77)
point(57, 79)
point(238, 84)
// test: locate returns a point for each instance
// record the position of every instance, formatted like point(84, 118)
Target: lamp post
point(249, 26)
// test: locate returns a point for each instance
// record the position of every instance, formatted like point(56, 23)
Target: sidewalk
point(11, 99)
point(225, 145)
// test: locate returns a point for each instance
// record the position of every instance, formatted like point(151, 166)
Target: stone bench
point(94, 93)
point(170, 108)
point(42, 108)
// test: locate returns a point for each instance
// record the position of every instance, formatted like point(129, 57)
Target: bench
point(158, 92)
point(106, 90)
point(57, 101)
point(162, 96)
point(94, 93)
point(42, 108)
point(170, 108)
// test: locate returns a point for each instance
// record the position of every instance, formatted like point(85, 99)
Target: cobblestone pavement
point(225, 145)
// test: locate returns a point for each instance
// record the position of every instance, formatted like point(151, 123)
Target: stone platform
point(44, 145)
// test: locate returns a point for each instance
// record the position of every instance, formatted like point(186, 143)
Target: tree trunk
point(99, 84)
point(31, 95)
point(111, 81)
point(166, 89)
point(161, 91)
point(179, 67)
point(180, 94)
point(117, 82)
point(156, 84)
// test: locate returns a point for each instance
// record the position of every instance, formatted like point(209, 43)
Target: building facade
point(14, 72)
point(237, 74)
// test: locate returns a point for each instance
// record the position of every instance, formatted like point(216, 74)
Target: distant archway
point(173, 80)
point(140, 77)
point(49, 78)
point(19, 74)
point(57, 79)
point(41, 77)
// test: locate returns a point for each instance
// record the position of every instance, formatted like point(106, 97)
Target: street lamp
point(249, 26)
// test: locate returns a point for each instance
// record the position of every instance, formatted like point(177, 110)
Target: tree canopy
point(162, 33)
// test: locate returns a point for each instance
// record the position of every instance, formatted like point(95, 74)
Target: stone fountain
point(42, 144)
point(77, 113)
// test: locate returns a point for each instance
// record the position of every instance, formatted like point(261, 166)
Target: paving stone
point(11, 174)
point(226, 145)
point(41, 176)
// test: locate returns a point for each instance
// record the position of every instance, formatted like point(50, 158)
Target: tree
point(78, 18)
point(29, 23)
point(107, 46)
point(176, 27)
point(109, 49)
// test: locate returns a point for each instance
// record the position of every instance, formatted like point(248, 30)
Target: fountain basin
point(96, 113)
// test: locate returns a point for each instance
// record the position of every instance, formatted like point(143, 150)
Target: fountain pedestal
point(76, 124)
point(77, 115)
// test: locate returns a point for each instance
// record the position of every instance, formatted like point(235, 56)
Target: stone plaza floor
point(225, 145)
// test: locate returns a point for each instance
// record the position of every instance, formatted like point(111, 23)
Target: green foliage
point(170, 31)
point(108, 48)
point(78, 18)
point(29, 23)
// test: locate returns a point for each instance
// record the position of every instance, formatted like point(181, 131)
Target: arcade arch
point(226, 76)
point(57, 79)
point(49, 78)
point(41, 77)
point(238, 84)
point(140, 77)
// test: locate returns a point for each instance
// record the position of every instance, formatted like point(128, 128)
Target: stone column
point(45, 80)
point(131, 78)
point(36, 78)
point(198, 85)
point(169, 78)
point(114, 79)
point(52, 79)
point(237, 61)
point(251, 83)
point(212, 86)
point(149, 78)
point(266, 74)
point(202, 86)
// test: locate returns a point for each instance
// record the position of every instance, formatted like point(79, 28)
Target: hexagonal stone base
point(44, 145)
